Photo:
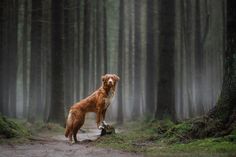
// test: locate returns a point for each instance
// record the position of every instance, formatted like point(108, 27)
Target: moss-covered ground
point(12, 130)
point(20, 131)
point(164, 138)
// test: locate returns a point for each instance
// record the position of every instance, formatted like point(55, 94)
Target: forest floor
point(134, 139)
point(49, 141)
point(50, 146)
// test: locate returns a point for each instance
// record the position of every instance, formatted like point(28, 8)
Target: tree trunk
point(80, 19)
point(1, 54)
point(35, 67)
point(150, 75)
point(86, 45)
point(222, 118)
point(105, 35)
point(199, 59)
point(166, 87)
point(120, 62)
point(137, 60)
point(12, 54)
point(56, 113)
point(68, 56)
point(226, 108)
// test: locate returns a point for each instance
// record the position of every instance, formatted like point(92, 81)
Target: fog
point(67, 48)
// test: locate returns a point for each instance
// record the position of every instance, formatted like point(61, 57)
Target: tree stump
point(107, 130)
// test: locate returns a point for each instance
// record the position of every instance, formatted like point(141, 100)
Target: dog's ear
point(103, 78)
point(116, 77)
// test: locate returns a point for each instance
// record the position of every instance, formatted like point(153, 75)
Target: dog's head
point(110, 80)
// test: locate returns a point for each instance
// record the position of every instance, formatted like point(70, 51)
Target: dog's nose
point(110, 81)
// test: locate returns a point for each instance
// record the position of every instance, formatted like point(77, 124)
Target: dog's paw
point(71, 142)
point(101, 127)
point(104, 123)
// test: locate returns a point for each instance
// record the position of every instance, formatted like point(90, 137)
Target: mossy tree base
point(166, 138)
point(221, 120)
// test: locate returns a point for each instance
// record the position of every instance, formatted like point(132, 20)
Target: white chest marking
point(109, 98)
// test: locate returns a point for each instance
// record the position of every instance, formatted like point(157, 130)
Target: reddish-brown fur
point(97, 102)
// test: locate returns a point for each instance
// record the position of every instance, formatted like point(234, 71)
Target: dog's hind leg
point(69, 126)
point(78, 125)
point(70, 137)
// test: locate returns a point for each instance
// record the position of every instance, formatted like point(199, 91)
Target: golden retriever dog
point(97, 102)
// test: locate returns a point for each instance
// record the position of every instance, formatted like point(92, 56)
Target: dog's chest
point(108, 99)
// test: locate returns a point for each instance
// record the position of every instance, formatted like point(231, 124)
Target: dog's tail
point(69, 124)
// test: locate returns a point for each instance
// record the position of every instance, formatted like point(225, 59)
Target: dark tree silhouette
point(35, 67)
point(120, 118)
point(57, 91)
point(166, 87)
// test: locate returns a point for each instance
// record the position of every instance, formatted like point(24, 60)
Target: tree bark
point(226, 107)
point(222, 118)
point(137, 60)
point(166, 87)
point(120, 118)
point(150, 75)
point(1, 54)
point(35, 67)
point(86, 45)
point(56, 113)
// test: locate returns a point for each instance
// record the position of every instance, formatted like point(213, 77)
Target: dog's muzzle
point(110, 82)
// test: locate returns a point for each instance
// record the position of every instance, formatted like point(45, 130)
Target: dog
point(97, 102)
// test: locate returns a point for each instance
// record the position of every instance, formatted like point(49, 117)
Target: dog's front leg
point(103, 117)
point(98, 120)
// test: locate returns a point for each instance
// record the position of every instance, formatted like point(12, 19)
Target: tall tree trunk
point(137, 60)
point(105, 35)
point(26, 56)
point(223, 116)
point(166, 94)
point(20, 48)
point(120, 62)
point(35, 68)
point(86, 45)
point(80, 24)
point(199, 57)
point(46, 60)
point(57, 112)
point(150, 75)
point(225, 109)
point(68, 56)
point(100, 43)
point(1, 54)
point(12, 50)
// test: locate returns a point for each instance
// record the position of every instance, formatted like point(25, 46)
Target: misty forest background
point(168, 54)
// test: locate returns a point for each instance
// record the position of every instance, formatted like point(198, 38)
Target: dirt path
point(46, 145)
point(58, 146)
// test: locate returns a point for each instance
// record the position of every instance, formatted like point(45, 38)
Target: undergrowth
point(10, 128)
point(20, 131)
point(166, 137)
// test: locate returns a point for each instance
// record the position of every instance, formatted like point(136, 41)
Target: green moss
point(10, 128)
point(213, 145)
point(178, 133)
point(164, 138)
point(135, 135)
point(233, 132)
